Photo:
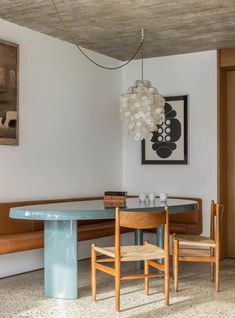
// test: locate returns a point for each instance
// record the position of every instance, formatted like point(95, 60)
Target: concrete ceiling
point(112, 27)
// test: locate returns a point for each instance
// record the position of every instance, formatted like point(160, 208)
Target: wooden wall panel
point(231, 164)
point(226, 153)
point(227, 58)
point(222, 151)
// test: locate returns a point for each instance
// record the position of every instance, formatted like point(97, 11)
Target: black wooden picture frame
point(170, 147)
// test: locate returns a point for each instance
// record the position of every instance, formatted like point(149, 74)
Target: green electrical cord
point(90, 59)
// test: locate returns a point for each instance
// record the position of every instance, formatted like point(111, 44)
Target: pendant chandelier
point(141, 107)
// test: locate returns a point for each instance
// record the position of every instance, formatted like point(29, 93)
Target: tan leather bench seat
point(10, 243)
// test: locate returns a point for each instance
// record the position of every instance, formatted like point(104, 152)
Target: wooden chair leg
point(146, 271)
point(93, 272)
point(167, 284)
point(176, 263)
point(217, 270)
point(212, 266)
point(117, 286)
point(146, 280)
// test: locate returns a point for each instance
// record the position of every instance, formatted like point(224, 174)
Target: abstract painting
point(169, 142)
point(9, 119)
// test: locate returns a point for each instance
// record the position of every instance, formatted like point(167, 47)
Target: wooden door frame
point(225, 63)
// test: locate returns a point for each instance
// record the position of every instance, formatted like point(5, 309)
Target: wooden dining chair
point(147, 252)
point(197, 248)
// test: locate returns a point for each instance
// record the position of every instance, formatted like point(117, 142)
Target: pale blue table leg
point(160, 240)
point(60, 259)
point(139, 241)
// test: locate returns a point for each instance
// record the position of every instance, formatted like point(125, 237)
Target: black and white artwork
point(169, 143)
point(9, 116)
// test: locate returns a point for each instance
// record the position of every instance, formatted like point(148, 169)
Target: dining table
point(61, 222)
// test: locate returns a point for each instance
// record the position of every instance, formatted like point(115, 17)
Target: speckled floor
point(22, 296)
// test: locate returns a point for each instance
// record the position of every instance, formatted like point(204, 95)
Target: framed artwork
point(9, 118)
point(169, 143)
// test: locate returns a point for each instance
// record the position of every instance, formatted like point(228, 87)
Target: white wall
point(70, 132)
point(193, 75)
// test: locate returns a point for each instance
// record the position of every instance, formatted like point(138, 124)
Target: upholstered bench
point(22, 235)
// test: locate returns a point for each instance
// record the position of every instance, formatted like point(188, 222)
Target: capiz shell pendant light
point(142, 107)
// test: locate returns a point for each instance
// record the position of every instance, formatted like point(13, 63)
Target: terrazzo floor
point(22, 296)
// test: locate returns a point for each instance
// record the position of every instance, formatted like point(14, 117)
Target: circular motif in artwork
point(167, 130)
point(167, 122)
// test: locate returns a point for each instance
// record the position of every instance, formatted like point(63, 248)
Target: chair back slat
point(142, 220)
point(212, 220)
point(217, 207)
point(217, 210)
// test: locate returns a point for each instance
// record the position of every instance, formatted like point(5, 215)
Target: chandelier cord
point(142, 62)
point(69, 33)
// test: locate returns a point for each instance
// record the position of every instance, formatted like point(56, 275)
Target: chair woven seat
point(195, 240)
point(134, 253)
